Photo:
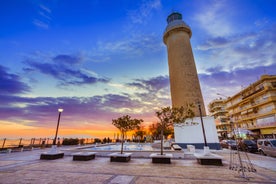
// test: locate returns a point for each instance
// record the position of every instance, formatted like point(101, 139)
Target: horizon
point(100, 60)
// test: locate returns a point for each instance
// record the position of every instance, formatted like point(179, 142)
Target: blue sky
point(101, 59)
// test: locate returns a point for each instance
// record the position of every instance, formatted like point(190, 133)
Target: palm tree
point(125, 124)
point(176, 115)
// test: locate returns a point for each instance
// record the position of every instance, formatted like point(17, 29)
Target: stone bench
point(208, 159)
point(118, 157)
point(162, 159)
point(51, 155)
point(84, 156)
point(176, 147)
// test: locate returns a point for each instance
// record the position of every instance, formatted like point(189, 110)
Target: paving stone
point(26, 167)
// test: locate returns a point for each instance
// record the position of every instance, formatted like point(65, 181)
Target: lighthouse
point(184, 82)
point(185, 87)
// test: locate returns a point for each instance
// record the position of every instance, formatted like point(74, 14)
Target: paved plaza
point(26, 167)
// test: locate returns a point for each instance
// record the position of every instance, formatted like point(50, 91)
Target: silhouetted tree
point(139, 133)
point(104, 140)
point(97, 140)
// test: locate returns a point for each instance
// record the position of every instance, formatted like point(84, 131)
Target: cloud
point(45, 9)
point(153, 92)
point(243, 51)
point(67, 59)
point(137, 45)
point(41, 111)
point(43, 17)
point(60, 67)
point(215, 18)
point(95, 110)
point(141, 15)
point(213, 43)
point(40, 24)
point(154, 84)
point(11, 83)
point(232, 82)
point(134, 42)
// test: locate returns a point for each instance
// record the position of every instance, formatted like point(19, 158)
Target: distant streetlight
point(60, 111)
point(203, 130)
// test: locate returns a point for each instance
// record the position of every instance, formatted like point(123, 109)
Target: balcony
point(252, 127)
point(252, 93)
point(254, 108)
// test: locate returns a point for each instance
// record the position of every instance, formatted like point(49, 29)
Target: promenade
point(26, 167)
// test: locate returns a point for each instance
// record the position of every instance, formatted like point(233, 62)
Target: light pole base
point(206, 150)
point(54, 149)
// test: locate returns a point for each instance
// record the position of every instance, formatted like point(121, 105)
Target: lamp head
point(60, 110)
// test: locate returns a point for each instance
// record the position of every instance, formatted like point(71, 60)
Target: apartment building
point(254, 107)
point(217, 108)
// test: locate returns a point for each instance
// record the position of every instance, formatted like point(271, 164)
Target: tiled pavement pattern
point(26, 167)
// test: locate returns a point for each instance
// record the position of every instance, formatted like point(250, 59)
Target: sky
point(102, 59)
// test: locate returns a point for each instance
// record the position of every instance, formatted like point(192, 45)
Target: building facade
point(254, 108)
point(217, 109)
point(184, 82)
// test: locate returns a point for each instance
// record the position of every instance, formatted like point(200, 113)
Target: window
point(266, 143)
point(260, 142)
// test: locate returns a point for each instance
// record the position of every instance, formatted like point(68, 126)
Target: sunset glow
point(99, 60)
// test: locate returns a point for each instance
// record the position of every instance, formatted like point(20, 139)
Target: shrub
point(97, 140)
point(70, 141)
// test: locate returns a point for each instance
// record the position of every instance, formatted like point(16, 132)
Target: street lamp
point(60, 111)
point(203, 130)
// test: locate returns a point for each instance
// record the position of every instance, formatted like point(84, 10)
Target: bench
point(162, 159)
point(84, 156)
point(118, 157)
point(209, 159)
point(51, 156)
point(176, 147)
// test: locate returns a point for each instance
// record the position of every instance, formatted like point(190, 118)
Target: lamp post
point(203, 130)
point(60, 111)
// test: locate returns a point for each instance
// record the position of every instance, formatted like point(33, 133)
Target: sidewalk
point(26, 167)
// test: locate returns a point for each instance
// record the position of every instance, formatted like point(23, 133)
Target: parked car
point(267, 147)
point(228, 143)
point(248, 145)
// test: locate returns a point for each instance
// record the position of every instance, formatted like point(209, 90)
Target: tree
point(139, 134)
point(125, 124)
point(176, 115)
point(155, 130)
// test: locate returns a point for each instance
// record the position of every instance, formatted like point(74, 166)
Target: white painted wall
point(193, 133)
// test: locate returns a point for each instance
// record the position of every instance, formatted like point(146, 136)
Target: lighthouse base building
point(190, 133)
